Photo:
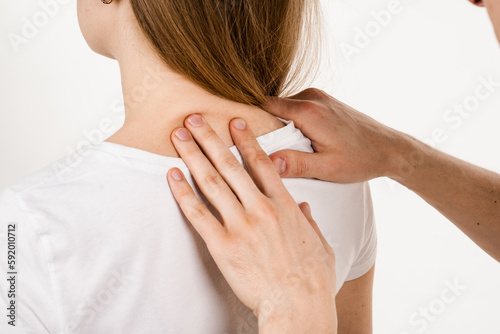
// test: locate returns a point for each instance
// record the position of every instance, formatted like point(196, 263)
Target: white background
point(425, 58)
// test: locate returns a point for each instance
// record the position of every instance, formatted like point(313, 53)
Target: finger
point(297, 107)
point(306, 210)
point(291, 164)
point(259, 165)
point(311, 94)
point(207, 178)
point(224, 160)
point(284, 107)
point(204, 222)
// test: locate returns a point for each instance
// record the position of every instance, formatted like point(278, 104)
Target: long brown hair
point(241, 50)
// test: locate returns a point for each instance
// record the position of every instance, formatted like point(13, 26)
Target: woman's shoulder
point(61, 171)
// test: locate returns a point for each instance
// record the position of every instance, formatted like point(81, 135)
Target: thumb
point(290, 163)
point(282, 107)
point(306, 210)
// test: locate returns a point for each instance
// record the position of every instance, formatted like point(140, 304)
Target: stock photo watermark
point(455, 116)
point(366, 34)
point(138, 95)
point(31, 25)
point(12, 274)
point(452, 119)
point(423, 318)
point(88, 310)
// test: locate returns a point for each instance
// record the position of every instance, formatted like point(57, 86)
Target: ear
point(477, 2)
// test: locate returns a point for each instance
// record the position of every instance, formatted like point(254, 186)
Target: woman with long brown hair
point(106, 249)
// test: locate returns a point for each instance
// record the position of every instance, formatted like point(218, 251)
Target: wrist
point(406, 156)
point(316, 315)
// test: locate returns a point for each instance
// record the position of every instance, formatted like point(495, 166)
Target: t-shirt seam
point(22, 192)
point(116, 154)
point(22, 205)
point(369, 246)
point(361, 269)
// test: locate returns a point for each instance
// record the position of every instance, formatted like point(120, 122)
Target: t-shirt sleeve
point(27, 296)
point(368, 252)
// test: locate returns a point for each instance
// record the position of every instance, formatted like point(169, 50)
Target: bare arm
point(354, 305)
point(469, 196)
point(352, 147)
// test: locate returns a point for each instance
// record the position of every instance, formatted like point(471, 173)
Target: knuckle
point(267, 210)
point(213, 180)
point(312, 108)
point(262, 159)
point(289, 203)
point(189, 151)
point(231, 164)
point(184, 193)
point(197, 212)
point(250, 149)
point(208, 134)
point(247, 145)
point(315, 93)
point(301, 166)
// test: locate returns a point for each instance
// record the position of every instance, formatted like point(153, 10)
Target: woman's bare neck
point(157, 100)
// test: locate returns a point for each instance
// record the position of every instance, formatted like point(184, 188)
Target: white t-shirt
point(102, 247)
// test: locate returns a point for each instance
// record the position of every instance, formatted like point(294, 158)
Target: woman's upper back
point(104, 247)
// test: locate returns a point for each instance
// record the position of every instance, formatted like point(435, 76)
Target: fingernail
point(177, 175)
point(195, 120)
point(239, 124)
point(280, 165)
point(182, 134)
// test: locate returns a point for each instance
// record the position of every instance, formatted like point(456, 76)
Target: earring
point(107, 2)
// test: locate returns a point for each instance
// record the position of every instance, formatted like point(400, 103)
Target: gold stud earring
point(107, 2)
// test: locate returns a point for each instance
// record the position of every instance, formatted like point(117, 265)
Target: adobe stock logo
point(422, 319)
point(463, 109)
point(105, 298)
point(31, 26)
point(363, 37)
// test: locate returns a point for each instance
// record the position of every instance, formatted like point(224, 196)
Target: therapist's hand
point(269, 249)
point(352, 147)
point(349, 146)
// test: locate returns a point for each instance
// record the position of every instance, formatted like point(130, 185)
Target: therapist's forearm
point(352, 147)
point(469, 196)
